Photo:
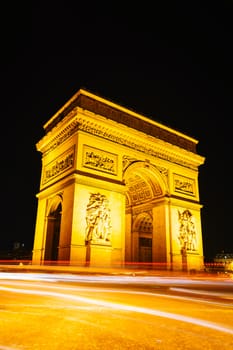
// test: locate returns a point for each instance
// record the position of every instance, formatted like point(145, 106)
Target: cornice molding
point(79, 120)
point(63, 130)
point(111, 111)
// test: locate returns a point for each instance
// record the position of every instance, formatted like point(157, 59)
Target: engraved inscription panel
point(60, 165)
point(97, 159)
point(184, 185)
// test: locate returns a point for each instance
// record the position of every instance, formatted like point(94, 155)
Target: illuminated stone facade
point(116, 188)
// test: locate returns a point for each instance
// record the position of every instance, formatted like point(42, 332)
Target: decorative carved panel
point(184, 185)
point(98, 219)
point(97, 159)
point(60, 165)
point(187, 231)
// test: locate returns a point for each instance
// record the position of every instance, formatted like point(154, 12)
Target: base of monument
point(98, 241)
point(98, 254)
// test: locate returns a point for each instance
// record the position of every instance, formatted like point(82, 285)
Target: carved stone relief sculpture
point(98, 219)
point(187, 231)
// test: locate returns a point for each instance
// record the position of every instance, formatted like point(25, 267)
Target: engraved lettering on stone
point(99, 160)
point(184, 185)
point(187, 231)
point(59, 166)
point(98, 219)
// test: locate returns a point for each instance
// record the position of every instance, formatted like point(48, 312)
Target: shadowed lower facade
point(116, 188)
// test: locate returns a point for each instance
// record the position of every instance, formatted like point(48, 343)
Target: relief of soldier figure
point(187, 231)
point(98, 218)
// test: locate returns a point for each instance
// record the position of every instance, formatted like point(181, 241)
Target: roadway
point(54, 311)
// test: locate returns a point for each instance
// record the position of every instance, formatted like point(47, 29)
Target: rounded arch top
point(54, 205)
point(144, 182)
point(143, 223)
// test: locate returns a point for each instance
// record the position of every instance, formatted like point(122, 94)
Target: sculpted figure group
point(98, 218)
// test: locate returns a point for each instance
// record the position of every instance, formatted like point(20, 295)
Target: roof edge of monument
point(111, 110)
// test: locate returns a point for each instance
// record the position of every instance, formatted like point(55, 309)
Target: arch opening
point(53, 233)
point(144, 189)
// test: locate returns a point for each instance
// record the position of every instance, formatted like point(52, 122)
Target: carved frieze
point(183, 184)
point(94, 128)
point(97, 159)
point(134, 143)
point(60, 165)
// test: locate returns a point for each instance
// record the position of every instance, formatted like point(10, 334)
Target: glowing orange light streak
point(124, 291)
point(203, 292)
point(113, 279)
point(117, 306)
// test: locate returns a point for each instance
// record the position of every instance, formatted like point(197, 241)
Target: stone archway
point(53, 231)
point(143, 227)
point(145, 171)
point(146, 188)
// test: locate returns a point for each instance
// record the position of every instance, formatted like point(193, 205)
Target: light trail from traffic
point(125, 291)
point(118, 307)
point(99, 301)
point(120, 279)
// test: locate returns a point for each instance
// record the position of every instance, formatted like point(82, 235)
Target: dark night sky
point(171, 62)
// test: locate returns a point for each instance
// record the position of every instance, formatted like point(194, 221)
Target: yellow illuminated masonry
point(116, 189)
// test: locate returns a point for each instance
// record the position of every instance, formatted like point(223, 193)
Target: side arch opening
point(53, 230)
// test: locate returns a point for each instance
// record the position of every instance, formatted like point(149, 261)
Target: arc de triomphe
point(116, 188)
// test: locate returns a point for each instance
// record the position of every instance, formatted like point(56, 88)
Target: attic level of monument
point(107, 109)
